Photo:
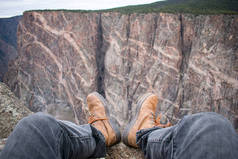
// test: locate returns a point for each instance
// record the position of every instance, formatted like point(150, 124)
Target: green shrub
point(174, 6)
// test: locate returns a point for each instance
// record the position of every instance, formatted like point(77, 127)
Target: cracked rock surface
point(189, 61)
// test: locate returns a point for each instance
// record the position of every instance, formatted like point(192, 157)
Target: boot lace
point(93, 118)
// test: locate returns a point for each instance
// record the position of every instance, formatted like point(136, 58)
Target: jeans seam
point(173, 149)
point(81, 137)
point(59, 138)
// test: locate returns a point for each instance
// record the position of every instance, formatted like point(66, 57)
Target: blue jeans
point(41, 136)
point(197, 136)
point(203, 135)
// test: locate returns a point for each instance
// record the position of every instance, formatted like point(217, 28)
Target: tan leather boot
point(144, 118)
point(100, 119)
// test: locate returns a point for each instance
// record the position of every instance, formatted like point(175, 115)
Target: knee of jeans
point(215, 119)
point(39, 119)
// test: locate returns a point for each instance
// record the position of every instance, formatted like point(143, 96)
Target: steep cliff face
point(190, 61)
point(8, 42)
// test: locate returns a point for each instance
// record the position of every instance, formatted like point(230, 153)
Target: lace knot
point(92, 118)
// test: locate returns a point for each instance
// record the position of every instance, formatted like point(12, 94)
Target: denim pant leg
point(35, 136)
point(42, 136)
point(154, 142)
point(82, 141)
point(202, 135)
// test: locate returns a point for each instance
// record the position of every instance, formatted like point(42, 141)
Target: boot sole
point(133, 121)
point(112, 121)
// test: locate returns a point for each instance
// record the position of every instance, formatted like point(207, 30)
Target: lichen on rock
point(11, 111)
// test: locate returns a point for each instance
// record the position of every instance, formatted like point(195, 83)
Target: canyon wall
point(189, 61)
point(8, 42)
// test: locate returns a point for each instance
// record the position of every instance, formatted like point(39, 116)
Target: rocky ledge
point(12, 110)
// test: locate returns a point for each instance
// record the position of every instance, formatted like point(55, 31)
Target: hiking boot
point(144, 118)
point(99, 117)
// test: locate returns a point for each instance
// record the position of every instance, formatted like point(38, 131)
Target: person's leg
point(202, 135)
point(35, 136)
point(42, 136)
point(151, 142)
point(94, 137)
point(82, 141)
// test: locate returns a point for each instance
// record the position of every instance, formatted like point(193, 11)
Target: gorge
point(189, 61)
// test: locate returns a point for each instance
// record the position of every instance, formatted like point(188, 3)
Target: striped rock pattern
point(190, 62)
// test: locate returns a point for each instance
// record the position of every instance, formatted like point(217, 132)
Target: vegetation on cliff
point(175, 6)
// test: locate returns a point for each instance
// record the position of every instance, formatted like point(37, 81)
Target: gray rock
point(11, 111)
point(122, 151)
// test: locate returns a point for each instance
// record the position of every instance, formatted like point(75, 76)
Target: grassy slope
point(176, 6)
